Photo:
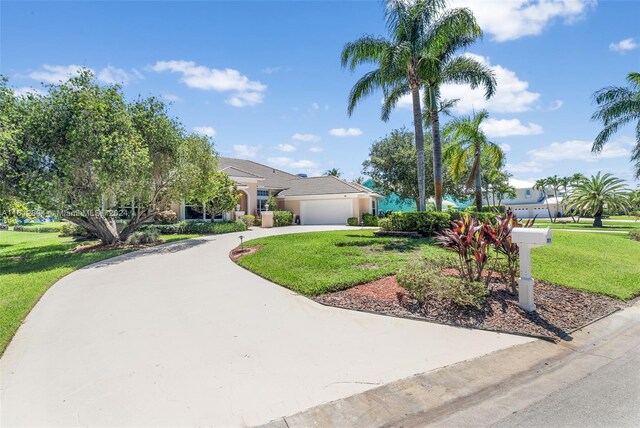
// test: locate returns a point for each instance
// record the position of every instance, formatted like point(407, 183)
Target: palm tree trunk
point(597, 220)
point(417, 123)
point(437, 148)
point(478, 179)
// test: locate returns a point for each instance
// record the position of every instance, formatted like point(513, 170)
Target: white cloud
point(315, 149)
point(521, 184)
point(57, 73)
point(315, 106)
point(245, 151)
point(271, 70)
point(112, 75)
point(513, 19)
point(345, 132)
point(505, 147)
point(285, 148)
point(556, 105)
point(509, 127)
point(205, 130)
point(25, 90)
point(572, 150)
point(308, 138)
point(285, 162)
point(511, 96)
point(245, 92)
point(624, 46)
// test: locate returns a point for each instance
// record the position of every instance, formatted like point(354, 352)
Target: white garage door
point(541, 212)
point(328, 211)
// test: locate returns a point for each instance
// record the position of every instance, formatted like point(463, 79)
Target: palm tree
point(424, 36)
point(618, 106)
point(503, 190)
point(468, 143)
point(595, 194)
point(334, 172)
point(555, 183)
point(542, 185)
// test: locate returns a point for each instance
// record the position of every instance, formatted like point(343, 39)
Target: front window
point(527, 193)
point(374, 204)
point(263, 197)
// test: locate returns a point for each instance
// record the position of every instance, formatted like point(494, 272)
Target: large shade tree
point(81, 150)
point(597, 193)
point(617, 107)
point(423, 38)
point(466, 147)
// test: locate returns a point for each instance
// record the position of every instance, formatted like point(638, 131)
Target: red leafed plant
point(467, 238)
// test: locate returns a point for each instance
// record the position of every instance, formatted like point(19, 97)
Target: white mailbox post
point(527, 238)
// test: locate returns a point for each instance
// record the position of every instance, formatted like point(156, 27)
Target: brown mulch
point(237, 252)
point(560, 310)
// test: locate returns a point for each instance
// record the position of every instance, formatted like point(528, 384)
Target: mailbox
point(527, 238)
point(530, 236)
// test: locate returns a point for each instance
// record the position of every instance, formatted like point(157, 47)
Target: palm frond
point(364, 87)
point(466, 70)
point(391, 97)
point(365, 50)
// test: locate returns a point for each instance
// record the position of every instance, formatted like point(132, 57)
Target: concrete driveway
point(178, 335)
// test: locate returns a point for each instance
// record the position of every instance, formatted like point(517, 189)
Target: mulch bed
point(236, 253)
point(560, 310)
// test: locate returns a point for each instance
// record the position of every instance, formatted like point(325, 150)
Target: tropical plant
point(618, 106)
point(424, 36)
point(555, 183)
point(465, 149)
point(503, 190)
point(597, 193)
point(333, 172)
point(634, 204)
point(542, 185)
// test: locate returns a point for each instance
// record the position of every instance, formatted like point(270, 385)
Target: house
point(394, 203)
point(530, 203)
point(313, 200)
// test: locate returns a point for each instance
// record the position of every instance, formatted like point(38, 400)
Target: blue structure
point(392, 202)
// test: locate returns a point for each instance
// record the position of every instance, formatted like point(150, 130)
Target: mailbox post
point(528, 238)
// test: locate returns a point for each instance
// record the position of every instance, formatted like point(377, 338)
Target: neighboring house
point(394, 203)
point(314, 200)
point(530, 203)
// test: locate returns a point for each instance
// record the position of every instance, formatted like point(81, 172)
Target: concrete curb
point(485, 389)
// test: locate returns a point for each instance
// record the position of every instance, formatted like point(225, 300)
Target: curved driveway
point(178, 335)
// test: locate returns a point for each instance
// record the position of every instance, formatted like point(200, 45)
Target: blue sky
point(264, 78)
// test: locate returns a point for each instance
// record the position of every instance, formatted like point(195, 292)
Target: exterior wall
point(293, 206)
point(364, 206)
point(178, 208)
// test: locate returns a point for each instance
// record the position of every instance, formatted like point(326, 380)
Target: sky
point(263, 78)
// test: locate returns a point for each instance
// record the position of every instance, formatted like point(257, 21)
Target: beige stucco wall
point(293, 206)
point(364, 206)
point(175, 207)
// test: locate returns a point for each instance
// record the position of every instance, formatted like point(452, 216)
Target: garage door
point(541, 212)
point(328, 211)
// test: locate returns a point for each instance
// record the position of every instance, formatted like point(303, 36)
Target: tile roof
point(237, 172)
point(325, 185)
point(273, 178)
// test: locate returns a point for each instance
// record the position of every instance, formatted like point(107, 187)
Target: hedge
point(37, 229)
point(198, 227)
point(352, 221)
point(425, 223)
point(369, 219)
point(282, 218)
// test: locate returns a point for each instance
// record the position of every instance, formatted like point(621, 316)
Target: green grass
point(316, 263)
point(624, 217)
point(46, 224)
point(30, 263)
point(319, 262)
point(600, 263)
point(588, 225)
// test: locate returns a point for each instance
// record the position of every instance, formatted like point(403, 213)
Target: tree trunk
point(99, 226)
point(597, 220)
point(478, 179)
point(417, 123)
point(437, 149)
point(135, 223)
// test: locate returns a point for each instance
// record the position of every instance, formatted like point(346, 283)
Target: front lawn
point(30, 263)
point(588, 225)
point(320, 262)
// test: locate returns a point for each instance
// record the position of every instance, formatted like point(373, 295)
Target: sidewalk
point(486, 390)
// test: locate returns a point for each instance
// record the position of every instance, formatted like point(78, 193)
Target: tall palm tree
point(542, 185)
point(555, 183)
point(467, 144)
point(618, 106)
point(423, 36)
point(598, 193)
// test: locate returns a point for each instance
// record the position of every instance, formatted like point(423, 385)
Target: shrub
point(424, 222)
point(166, 217)
point(369, 219)
point(147, 236)
point(248, 220)
point(213, 228)
point(72, 229)
point(352, 221)
point(282, 218)
point(635, 235)
point(166, 229)
point(37, 229)
point(385, 224)
point(423, 277)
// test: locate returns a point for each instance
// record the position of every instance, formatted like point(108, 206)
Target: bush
point(635, 235)
point(166, 229)
point(197, 227)
point(423, 277)
point(352, 221)
point(248, 220)
point(167, 217)
point(37, 229)
point(72, 229)
point(369, 219)
point(282, 218)
point(141, 237)
point(385, 224)
point(425, 223)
